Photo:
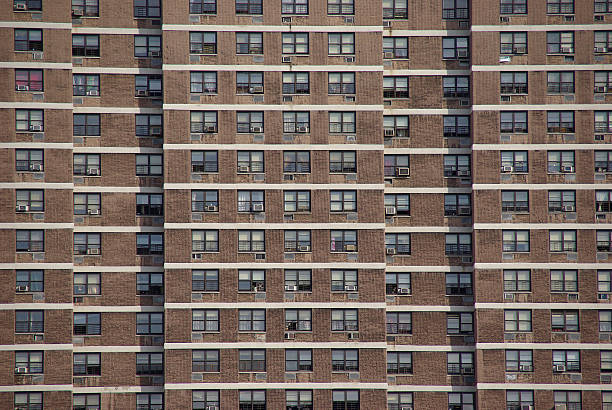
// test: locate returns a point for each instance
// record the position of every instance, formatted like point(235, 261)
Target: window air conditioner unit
point(569, 208)
point(258, 89)
point(37, 55)
point(406, 408)
point(386, 23)
point(403, 290)
point(349, 59)
point(211, 128)
point(463, 172)
point(93, 211)
point(93, 171)
point(391, 251)
point(402, 172)
point(567, 50)
point(93, 251)
point(389, 132)
point(526, 368)
point(349, 20)
point(256, 129)
point(155, 131)
point(286, 19)
point(21, 369)
point(211, 408)
point(350, 248)
point(20, 6)
point(258, 207)
point(350, 288)
point(601, 89)
point(22, 88)
point(390, 210)
point(559, 368)
point(601, 49)
point(302, 128)
point(197, 255)
point(388, 55)
point(291, 288)
point(22, 208)
point(507, 168)
point(36, 167)
point(353, 336)
point(289, 335)
point(154, 53)
point(93, 93)
point(568, 168)
point(77, 12)
point(603, 296)
point(464, 210)
point(462, 54)
point(286, 59)
point(210, 208)
point(287, 98)
point(142, 93)
point(22, 288)
point(504, 19)
point(508, 296)
point(304, 248)
point(37, 128)
point(243, 168)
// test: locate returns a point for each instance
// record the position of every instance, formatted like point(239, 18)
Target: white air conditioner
point(155, 131)
point(93, 251)
point(36, 167)
point(463, 172)
point(353, 336)
point(93, 211)
point(37, 55)
point(350, 288)
point(286, 59)
point(197, 255)
point(289, 335)
point(603, 296)
point(243, 168)
point(569, 208)
point(21, 369)
point(526, 368)
point(212, 408)
point(304, 248)
point(567, 50)
point(36, 128)
point(259, 287)
point(568, 168)
point(349, 20)
point(391, 251)
point(519, 50)
point(22, 88)
point(258, 89)
point(211, 128)
point(386, 23)
point(601, 49)
point(291, 288)
point(402, 172)
point(508, 296)
point(142, 93)
point(22, 208)
point(507, 168)
point(406, 408)
point(350, 248)
point(559, 368)
point(601, 89)
point(390, 210)
point(302, 128)
point(256, 129)
point(20, 6)
point(389, 132)
point(388, 55)
point(93, 171)
point(403, 290)
point(505, 59)
point(210, 208)
point(257, 207)
point(22, 288)
point(154, 53)
point(286, 19)
point(93, 93)
point(529, 407)
point(349, 59)
point(464, 210)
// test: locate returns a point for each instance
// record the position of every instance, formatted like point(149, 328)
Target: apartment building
point(306, 204)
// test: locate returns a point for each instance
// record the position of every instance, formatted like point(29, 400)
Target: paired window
point(341, 83)
point(295, 43)
point(205, 241)
point(202, 42)
point(296, 122)
point(149, 244)
point(343, 241)
point(603, 41)
point(560, 121)
point(340, 44)
point(28, 40)
point(603, 161)
point(344, 280)
point(340, 7)
point(149, 204)
point(395, 47)
point(147, 8)
point(149, 364)
point(252, 360)
point(397, 126)
point(515, 201)
point(515, 241)
point(296, 83)
point(249, 43)
point(457, 205)
point(561, 162)
point(298, 360)
point(30, 240)
point(297, 241)
point(455, 9)
point(398, 401)
point(249, 82)
point(569, 399)
point(397, 165)
point(603, 201)
point(398, 204)
point(344, 320)
point(565, 321)
point(86, 284)
point(251, 280)
point(395, 87)
point(460, 363)
point(455, 48)
point(395, 9)
point(459, 323)
point(249, 7)
point(519, 399)
point(603, 121)
point(342, 122)
point(562, 82)
point(603, 6)
point(149, 283)
point(560, 6)
point(513, 122)
point(250, 122)
point(147, 46)
point(561, 201)
point(456, 86)
point(206, 361)
point(149, 165)
point(605, 320)
point(345, 360)
point(513, 43)
point(86, 125)
point(29, 362)
point(85, 8)
point(203, 122)
point(562, 241)
point(604, 241)
point(458, 283)
point(513, 83)
point(298, 280)
point(343, 201)
point(251, 241)
point(513, 6)
point(517, 280)
point(519, 360)
point(205, 280)
point(345, 399)
point(87, 324)
point(30, 281)
point(204, 161)
point(342, 162)
point(397, 243)
point(299, 7)
point(28, 400)
point(29, 5)
point(86, 364)
point(298, 320)
point(150, 401)
point(517, 320)
point(399, 323)
point(85, 84)
point(566, 361)
point(296, 162)
point(86, 164)
point(605, 360)
point(456, 126)
point(203, 82)
point(205, 320)
point(251, 320)
point(458, 244)
point(252, 399)
point(29, 80)
point(85, 401)
point(457, 166)
point(29, 321)
point(251, 201)
point(560, 42)
point(603, 81)
point(297, 201)
point(149, 323)
point(298, 399)
point(30, 200)
point(85, 45)
point(29, 121)
point(148, 85)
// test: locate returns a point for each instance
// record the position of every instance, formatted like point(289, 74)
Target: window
point(399, 323)
point(298, 399)
point(397, 283)
point(603, 41)
point(560, 42)
point(459, 283)
point(560, 6)
point(560, 121)
point(517, 320)
point(457, 205)
point(149, 204)
point(343, 280)
point(514, 43)
point(150, 401)
point(87, 324)
point(561, 82)
point(344, 320)
point(205, 280)
point(30, 200)
point(455, 9)
point(29, 121)
point(204, 201)
point(400, 203)
point(86, 164)
point(297, 360)
point(395, 9)
point(251, 280)
point(459, 323)
point(28, 40)
point(29, 5)
point(30, 280)
point(398, 401)
point(342, 162)
point(395, 87)
point(205, 241)
point(519, 399)
point(149, 244)
point(519, 361)
point(250, 122)
point(147, 8)
point(252, 400)
point(202, 7)
point(455, 48)
point(341, 44)
point(296, 83)
point(513, 7)
point(296, 122)
point(297, 241)
point(603, 121)
point(249, 43)
point(85, 8)
point(149, 283)
point(149, 165)
point(341, 7)
point(299, 7)
point(298, 320)
point(342, 122)
point(86, 125)
point(205, 399)
point(87, 204)
point(29, 80)
point(515, 201)
point(513, 122)
point(202, 42)
point(203, 82)
point(603, 161)
point(343, 201)
point(298, 280)
point(345, 399)
point(203, 122)
point(30, 240)
point(461, 401)
point(204, 161)
point(147, 46)
point(251, 320)
point(561, 162)
point(89, 401)
point(343, 241)
point(397, 243)
point(515, 241)
point(456, 86)
point(562, 241)
point(457, 165)
point(85, 84)
point(517, 280)
point(295, 43)
point(85, 45)
point(249, 82)
point(86, 364)
point(397, 165)
point(29, 321)
point(297, 201)
point(566, 361)
point(29, 362)
point(604, 282)
point(149, 323)
point(149, 364)
point(345, 360)
point(28, 400)
point(605, 361)
point(251, 241)
point(296, 162)
point(396, 126)
point(561, 201)
point(605, 320)
point(603, 81)
point(395, 47)
point(603, 6)
point(249, 6)
point(565, 321)
point(148, 85)
point(513, 83)
point(205, 320)
point(341, 83)
point(604, 241)
point(460, 363)
point(250, 201)
point(86, 284)
point(458, 244)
